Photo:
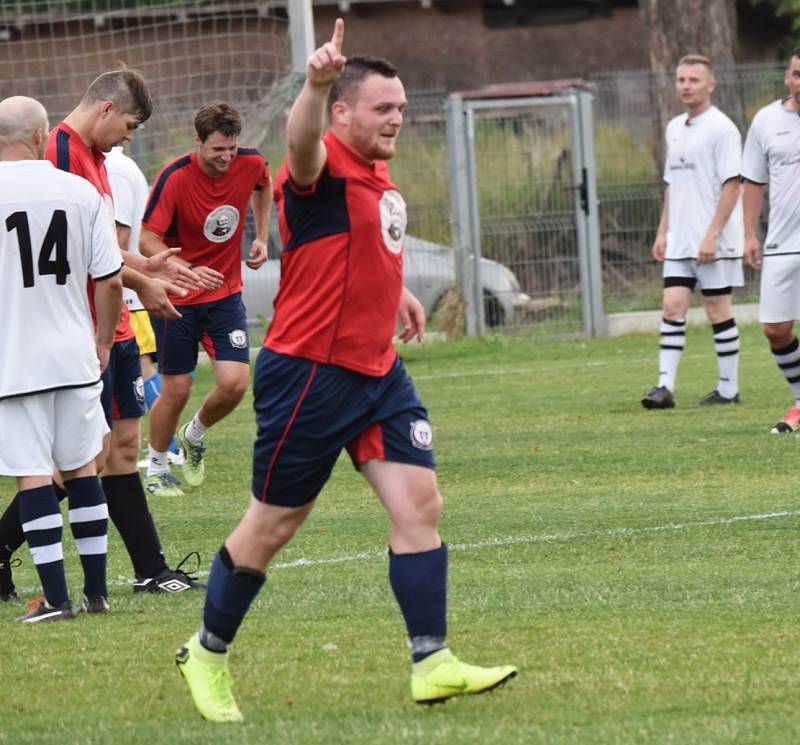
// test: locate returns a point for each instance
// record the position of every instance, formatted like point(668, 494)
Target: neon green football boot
point(441, 676)
point(209, 681)
point(194, 467)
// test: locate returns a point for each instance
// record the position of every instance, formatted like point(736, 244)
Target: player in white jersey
point(54, 232)
point(130, 189)
point(772, 155)
point(700, 236)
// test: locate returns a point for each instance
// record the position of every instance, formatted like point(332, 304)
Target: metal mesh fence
point(630, 186)
point(528, 229)
point(191, 52)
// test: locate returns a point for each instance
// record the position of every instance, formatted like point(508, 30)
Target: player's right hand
point(659, 247)
point(327, 62)
point(155, 298)
point(752, 253)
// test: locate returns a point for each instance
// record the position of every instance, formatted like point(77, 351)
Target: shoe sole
point(648, 404)
point(502, 681)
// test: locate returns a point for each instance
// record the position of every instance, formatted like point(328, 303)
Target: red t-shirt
point(205, 216)
point(68, 152)
point(342, 264)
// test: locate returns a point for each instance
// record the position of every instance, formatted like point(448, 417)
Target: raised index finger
point(338, 34)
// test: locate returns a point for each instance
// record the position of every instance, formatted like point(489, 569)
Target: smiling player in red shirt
point(199, 202)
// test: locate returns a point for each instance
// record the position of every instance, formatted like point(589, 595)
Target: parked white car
point(429, 272)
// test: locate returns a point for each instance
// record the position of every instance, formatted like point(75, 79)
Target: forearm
point(134, 261)
point(261, 201)
point(752, 203)
point(108, 304)
point(305, 151)
point(150, 243)
point(725, 204)
point(663, 223)
point(133, 279)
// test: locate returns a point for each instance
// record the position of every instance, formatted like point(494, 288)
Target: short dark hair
point(125, 88)
point(696, 59)
point(357, 69)
point(217, 116)
point(794, 53)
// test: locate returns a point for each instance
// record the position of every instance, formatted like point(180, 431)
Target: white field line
point(508, 541)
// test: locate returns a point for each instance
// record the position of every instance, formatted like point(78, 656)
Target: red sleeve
point(161, 203)
point(263, 178)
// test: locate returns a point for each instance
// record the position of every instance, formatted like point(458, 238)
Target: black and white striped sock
point(43, 526)
point(788, 360)
point(88, 519)
point(726, 345)
point(673, 341)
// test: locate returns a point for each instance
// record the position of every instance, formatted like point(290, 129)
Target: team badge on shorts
point(238, 339)
point(421, 434)
point(138, 389)
point(221, 223)
point(393, 220)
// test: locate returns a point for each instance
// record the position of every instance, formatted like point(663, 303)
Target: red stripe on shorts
point(263, 497)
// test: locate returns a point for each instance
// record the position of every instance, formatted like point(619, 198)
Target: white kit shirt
point(772, 154)
point(54, 233)
point(702, 154)
point(129, 189)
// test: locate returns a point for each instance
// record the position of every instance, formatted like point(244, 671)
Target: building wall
point(448, 44)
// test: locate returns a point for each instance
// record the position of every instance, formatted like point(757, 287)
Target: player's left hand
point(257, 255)
point(707, 251)
point(411, 315)
point(160, 266)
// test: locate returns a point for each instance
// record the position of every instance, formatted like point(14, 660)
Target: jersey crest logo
point(221, 223)
point(393, 220)
point(238, 339)
point(138, 389)
point(421, 434)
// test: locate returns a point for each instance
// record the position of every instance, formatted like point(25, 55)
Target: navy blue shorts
point(220, 326)
point(123, 388)
point(306, 412)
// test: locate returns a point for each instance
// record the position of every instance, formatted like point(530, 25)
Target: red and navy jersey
point(68, 152)
point(342, 264)
point(205, 216)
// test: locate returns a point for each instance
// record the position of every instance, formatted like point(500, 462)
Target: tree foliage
point(788, 9)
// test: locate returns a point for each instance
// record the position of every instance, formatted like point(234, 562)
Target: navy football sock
point(230, 592)
point(43, 527)
point(127, 507)
point(419, 582)
point(11, 535)
point(88, 519)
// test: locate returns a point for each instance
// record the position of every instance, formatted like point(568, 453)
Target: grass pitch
point(639, 566)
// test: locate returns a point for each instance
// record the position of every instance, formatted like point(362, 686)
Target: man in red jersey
point(113, 106)
point(329, 377)
point(199, 202)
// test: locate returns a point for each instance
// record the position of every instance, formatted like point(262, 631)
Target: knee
point(778, 335)
point(429, 507)
point(673, 311)
point(175, 395)
point(234, 389)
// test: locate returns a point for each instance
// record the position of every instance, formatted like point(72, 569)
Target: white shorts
point(712, 276)
point(779, 298)
point(61, 428)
